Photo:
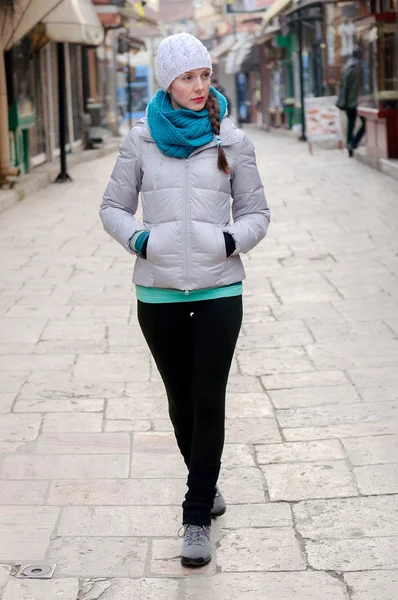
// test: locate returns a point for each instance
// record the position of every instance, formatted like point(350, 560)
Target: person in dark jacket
point(350, 86)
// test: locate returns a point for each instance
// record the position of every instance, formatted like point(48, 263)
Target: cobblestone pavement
point(90, 476)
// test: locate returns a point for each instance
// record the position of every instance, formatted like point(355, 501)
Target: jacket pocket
point(207, 241)
point(163, 243)
point(150, 249)
point(221, 244)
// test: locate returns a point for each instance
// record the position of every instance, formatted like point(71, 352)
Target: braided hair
point(214, 116)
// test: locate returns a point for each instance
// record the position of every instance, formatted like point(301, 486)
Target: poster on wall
point(322, 119)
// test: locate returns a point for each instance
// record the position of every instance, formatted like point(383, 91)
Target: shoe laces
point(194, 535)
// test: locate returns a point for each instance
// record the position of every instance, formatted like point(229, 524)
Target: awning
point(223, 47)
point(273, 11)
point(73, 21)
point(16, 22)
point(238, 53)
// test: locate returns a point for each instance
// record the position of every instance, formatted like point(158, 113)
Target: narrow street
point(90, 475)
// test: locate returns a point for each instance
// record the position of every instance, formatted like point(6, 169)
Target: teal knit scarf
point(178, 132)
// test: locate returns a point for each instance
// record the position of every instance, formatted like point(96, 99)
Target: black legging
point(193, 344)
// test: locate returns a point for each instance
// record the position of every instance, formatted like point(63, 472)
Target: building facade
point(84, 35)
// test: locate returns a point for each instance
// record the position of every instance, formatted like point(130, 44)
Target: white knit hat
point(178, 54)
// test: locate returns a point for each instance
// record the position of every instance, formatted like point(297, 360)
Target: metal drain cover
point(36, 571)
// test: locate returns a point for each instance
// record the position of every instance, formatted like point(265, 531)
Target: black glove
point(229, 243)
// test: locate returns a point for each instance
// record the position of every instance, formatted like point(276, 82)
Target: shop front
point(21, 90)
point(287, 45)
point(37, 92)
point(295, 55)
point(377, 36)
point(303, 27)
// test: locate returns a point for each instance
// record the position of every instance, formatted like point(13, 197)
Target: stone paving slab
point(328, 415)
point(314, 396)
point(373, 585)
point(243, 485)
point(90, 475)
point(69, 466)
point(83, 443)
point(144, 588)
point(80, 422)
point(252, 430)
point(21, 428)
point(353, 555)
point(352, 517)
point(299, 452)
point(25, 531)
point(248, 405)
point(342, 430)
point(372, 449)
point(65, 589)
point(260, 550)
point(298, 481)
point(114, 521)
point(6, 401)
point(377, 479)
point(257, 515)
point(379, 393)
point(27, 493)
point(95, 556)
point(267, 586)
point(123, 492)
point(294, 381)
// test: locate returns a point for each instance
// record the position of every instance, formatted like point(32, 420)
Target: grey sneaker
point(196, 547)
point(219, 506)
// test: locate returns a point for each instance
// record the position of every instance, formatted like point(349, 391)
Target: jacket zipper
point(186, 227)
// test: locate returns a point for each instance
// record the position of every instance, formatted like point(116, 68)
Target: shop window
point(37, 133)
point(380, 67)
point(390, 62)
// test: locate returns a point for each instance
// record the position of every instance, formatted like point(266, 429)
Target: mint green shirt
point(165, 296)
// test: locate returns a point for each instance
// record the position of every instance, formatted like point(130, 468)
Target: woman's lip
point(198, 99)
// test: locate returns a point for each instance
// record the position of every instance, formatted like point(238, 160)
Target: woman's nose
point(198, 84)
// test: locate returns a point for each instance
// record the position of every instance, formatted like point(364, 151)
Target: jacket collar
point(228, 134)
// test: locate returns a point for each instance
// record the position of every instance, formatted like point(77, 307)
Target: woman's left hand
point(229, 244)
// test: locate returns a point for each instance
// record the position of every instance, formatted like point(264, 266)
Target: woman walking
point(187, 159)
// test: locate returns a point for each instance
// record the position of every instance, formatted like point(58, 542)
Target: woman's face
point(191, 89)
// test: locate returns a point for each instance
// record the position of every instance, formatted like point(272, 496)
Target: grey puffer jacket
point(186, 208)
